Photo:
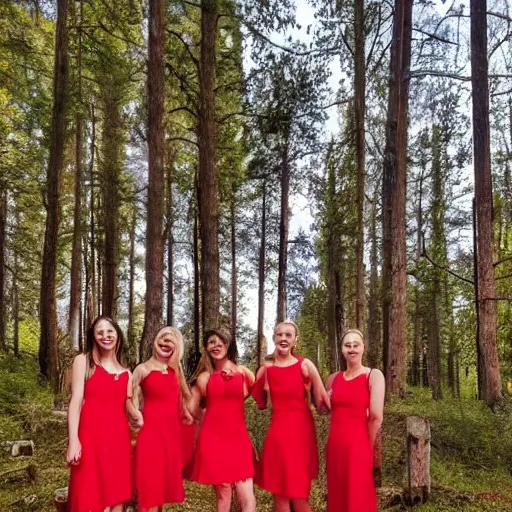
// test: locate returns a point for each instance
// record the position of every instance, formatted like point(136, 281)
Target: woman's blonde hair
point(177, 356)
point(296, 328)
point(352, 331)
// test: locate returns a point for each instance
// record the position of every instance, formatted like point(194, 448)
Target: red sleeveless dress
point(158, 453)
point(349, 455)
point(289, 458)
point(224, 449)
point(104, 476)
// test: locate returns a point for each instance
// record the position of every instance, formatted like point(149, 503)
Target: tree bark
point(487, 335)
point(283, 232)
point(3, 218)
point(234, 284)
point(131, 289)
point(92, 293)
point(155, 206)
point(170, 241)
point(359, 118)
point(207, 178)
point(394, 199)
point(75, 295)
point(261, 342)
point(197, 290)
point(374, 327)
point(48, 341)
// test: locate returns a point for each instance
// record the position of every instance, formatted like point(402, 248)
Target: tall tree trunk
point(487, 335)
point(3, 218)
point(374, 328)
point(197, 291)
point(394, 198)
point(283, 232)
point(170, 240)
point(155, 207)
point(261, 347)
point(16, 308)
point(93, 309)
point(112, 158)
point(234, 283)
point(75, 296)
point(131, 290)
point(48, 341)
point(359, 115)
point(207, 182)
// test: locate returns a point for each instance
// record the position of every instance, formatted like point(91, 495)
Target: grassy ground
point(471, 451)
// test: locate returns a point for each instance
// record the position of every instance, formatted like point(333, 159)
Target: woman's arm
point(74, 451)
point(133, 402)
point(322, 400)
point(376, 411)
point(248, 380)
point(258, 391)
point(197, 392)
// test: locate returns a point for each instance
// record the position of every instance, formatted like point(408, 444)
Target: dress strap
point(368, 379)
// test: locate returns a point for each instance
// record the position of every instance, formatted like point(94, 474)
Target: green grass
point(470, 464)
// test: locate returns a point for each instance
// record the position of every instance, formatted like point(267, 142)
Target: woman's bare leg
point(245, 493)
point(224, 494)
point(301, 505)
point(281, 503)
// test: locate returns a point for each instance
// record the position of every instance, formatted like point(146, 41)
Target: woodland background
point(156, 156)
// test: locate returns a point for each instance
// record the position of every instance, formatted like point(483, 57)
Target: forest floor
point(471, 461)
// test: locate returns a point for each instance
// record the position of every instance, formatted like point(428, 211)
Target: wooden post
point(418, 460)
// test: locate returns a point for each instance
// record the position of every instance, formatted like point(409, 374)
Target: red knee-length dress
point(224, 449)
point(158, 453)
point(349, 453)
point(289, 458)
point(104, 476)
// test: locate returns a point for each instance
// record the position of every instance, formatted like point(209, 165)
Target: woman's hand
point(136, 419)
point(74, 452)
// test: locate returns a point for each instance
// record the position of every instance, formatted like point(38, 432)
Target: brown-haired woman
point(99, 437)
point(289, 459)
point(158, 455)
point(357, 404)
point(223, 456)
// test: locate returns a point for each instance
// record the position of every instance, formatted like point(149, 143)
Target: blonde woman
point(158, 455)
point(289, 459)
point(357, 404)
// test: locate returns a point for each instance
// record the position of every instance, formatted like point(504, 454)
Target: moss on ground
point(470, 466)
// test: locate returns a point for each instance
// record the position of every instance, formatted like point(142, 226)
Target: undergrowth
point(471, 458)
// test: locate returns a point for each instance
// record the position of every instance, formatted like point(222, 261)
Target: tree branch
point(434, 36)
point(419, 73)
point(185, 45)
point(425, 255)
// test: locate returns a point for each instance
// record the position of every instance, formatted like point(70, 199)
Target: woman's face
point(164, 346)
point(352, 348)
point(216, 347)
point(105, 335)
point(285, 338)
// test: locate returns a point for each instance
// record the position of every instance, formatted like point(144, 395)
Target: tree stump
point(418, 460)
point(19, 448)
point(377, 461)
point(61, 499)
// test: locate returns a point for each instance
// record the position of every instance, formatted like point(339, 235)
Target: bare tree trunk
point(394, 198)
point(359, 114)
point(170, 241)
point(93, 309)
point(131, 289)
point(155, 207)
point(48, 341)
point(283, 233)
point(3, 218)
point(75, 296)
point(374, 329)
point(197, 290)
point(487, 335)
point(260, 348)
point(112, 156)
point(207, 182)
point(234, 285)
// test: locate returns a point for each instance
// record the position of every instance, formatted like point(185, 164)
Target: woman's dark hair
point(90, 337)
point(225, 336)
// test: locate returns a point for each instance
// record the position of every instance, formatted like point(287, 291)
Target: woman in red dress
point(357, 405)
point(289, 459)
point(99, 436)
point(223, 456)
point(158, 452)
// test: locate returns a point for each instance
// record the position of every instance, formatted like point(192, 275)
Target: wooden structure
point(418, 460)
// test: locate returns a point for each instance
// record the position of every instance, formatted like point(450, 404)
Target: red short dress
point(289, 458)
point(103, 477)
point(349, 454)
point(224, 449)
point(158, 453)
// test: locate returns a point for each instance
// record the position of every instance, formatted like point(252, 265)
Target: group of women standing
point(159, 404)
